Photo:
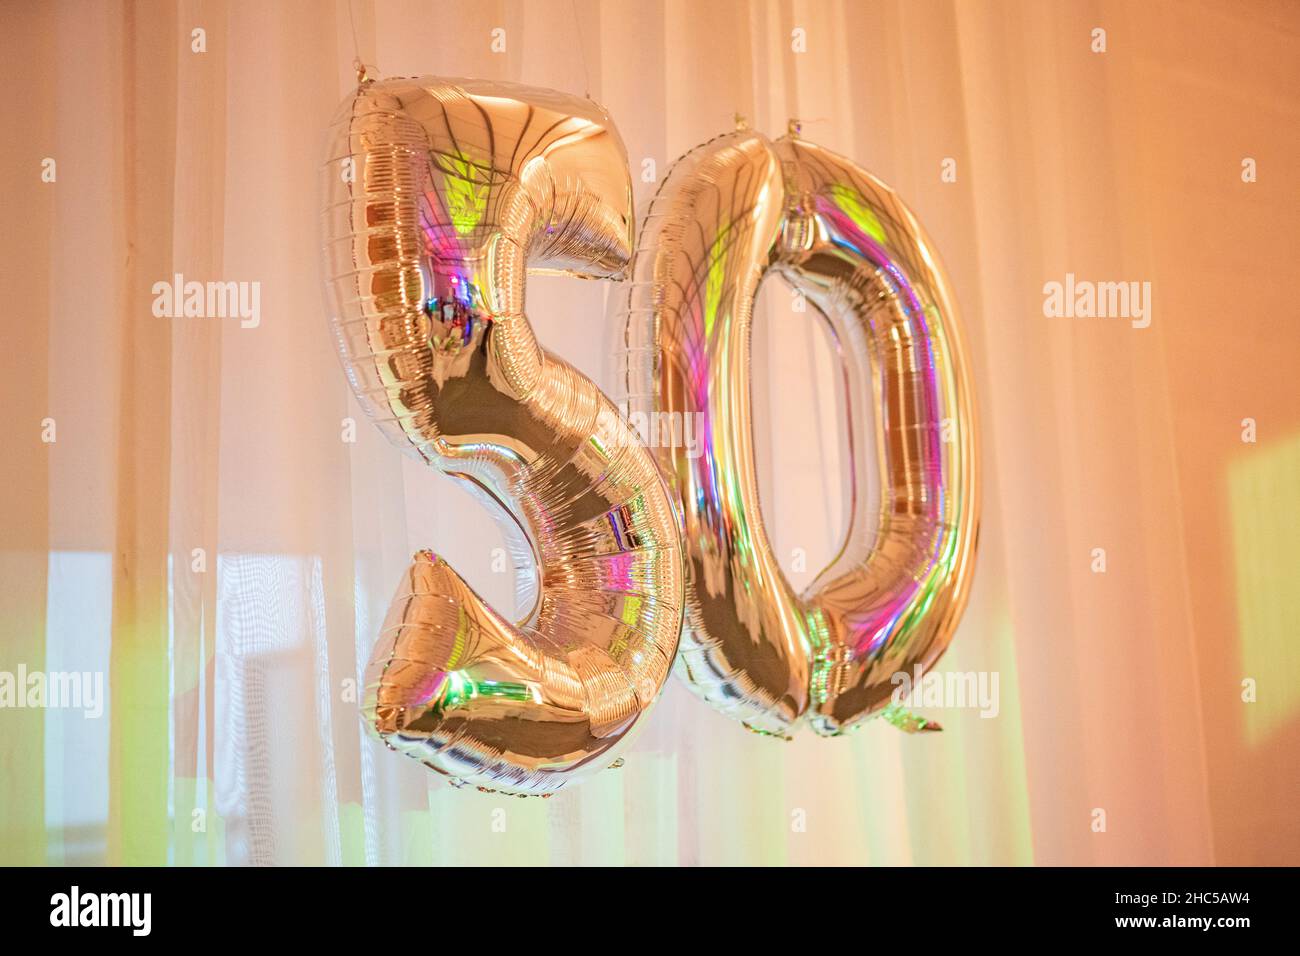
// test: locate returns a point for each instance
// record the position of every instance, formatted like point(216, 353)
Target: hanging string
point(362, 75)
point(582, 50)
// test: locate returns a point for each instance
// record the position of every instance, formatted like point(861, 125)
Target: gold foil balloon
point(439, 195)
point(729, 213)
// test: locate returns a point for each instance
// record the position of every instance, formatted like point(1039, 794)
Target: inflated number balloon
point(729, 213)
point(440, 194)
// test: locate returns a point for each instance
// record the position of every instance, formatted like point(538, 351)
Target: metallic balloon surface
point(729, 213)
point(440, 194)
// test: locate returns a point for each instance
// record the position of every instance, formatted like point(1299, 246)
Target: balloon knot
point(908, 722)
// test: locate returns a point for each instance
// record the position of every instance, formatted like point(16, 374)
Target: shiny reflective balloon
point(439, 195)
point(730, 213)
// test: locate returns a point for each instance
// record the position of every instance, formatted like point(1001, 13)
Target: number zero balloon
point(729, 213)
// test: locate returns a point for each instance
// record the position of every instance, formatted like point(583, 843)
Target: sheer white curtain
point(204, 532)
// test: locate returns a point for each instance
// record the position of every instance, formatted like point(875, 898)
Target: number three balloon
point(440, 195)
point(729, 213)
